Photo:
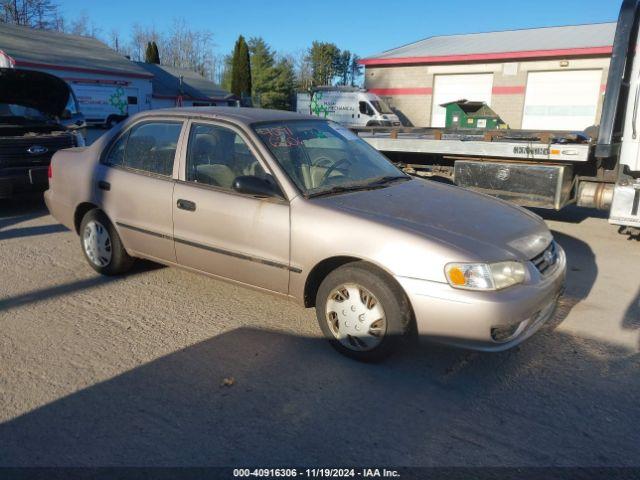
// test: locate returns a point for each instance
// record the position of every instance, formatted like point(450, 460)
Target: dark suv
point(38, 116)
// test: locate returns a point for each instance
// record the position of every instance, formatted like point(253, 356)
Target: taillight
point(50, 172)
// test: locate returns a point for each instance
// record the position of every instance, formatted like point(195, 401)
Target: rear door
point(220, 231)
point(134, 185)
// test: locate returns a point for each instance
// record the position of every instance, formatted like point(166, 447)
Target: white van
point(106, 105)
point(349, 106)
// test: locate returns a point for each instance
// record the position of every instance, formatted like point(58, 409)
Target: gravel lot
point(130, 371)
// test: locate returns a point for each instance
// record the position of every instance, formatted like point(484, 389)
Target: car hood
point(44, 92)
point(483, 226)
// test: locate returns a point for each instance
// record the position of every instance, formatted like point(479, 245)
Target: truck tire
point(363, 313)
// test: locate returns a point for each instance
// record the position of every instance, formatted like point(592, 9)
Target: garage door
point(448, 88)
point(561, 100)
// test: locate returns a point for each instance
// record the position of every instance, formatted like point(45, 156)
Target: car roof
point(242, 115)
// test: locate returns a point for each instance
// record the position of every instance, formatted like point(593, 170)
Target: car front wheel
point(362, 312)
point(102, 246)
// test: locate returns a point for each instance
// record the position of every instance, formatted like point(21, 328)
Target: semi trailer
point(598, 168)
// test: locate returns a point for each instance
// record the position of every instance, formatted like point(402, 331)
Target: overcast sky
point(364, 27)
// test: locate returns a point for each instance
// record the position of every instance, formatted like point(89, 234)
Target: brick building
point(542, 78)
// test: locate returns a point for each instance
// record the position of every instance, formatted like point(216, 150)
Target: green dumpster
point(471, 115)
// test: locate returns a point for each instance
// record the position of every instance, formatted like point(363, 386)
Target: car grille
point(13, 150)
point(547, 259)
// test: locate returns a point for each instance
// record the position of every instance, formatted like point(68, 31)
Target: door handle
point(102, 185)
point(186, 205)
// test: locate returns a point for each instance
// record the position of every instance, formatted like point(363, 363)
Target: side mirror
point(256, 186)
point(66, 114)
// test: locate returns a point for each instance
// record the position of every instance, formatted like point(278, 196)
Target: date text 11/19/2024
point(316, 472)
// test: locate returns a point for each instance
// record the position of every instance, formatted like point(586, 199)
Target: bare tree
point(140, 37)
point(220, 67)
point(115, 41)
point(303, 69)
point(41, 14)
point(190, 49)
point(82, 25)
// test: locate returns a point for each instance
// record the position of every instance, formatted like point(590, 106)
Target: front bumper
point(467, 318)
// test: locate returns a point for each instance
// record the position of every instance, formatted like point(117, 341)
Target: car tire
point(101, 245)
point(363, 313)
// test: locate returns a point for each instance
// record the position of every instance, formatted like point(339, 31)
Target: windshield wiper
point(378, 182)
point(381, 181)
point(338, 189)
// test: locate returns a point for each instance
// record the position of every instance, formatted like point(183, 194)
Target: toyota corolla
point(303, 208)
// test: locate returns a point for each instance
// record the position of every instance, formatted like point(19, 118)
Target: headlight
point(484, 276)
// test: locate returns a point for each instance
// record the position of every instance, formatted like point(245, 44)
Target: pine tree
point(281, 87)
point(355, 70)
point(148, 53)
point(323, 57)
point(342, 67)
point(241, 69)
point(262, 74)
point(155, 53)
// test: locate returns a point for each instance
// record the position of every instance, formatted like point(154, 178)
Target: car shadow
point(570, 214)
point(31, 231)
point(21, 208)
point(45, 294)
point(263, 398)
point(631, 319)
point(582, 272)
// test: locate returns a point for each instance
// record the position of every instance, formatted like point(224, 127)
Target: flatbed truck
point(598, 168)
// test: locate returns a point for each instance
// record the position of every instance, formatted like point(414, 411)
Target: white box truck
point(350, 106)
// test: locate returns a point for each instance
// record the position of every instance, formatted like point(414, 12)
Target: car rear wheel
point(102, 246)
point(362, 312)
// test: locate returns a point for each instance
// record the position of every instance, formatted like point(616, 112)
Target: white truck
point(350, 106)
point(106, 105)
point(546, 169)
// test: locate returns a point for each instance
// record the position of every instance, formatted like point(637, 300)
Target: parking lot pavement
point(131, 370)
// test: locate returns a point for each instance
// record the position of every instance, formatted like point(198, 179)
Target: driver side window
point(365, 108)
point(217, 155)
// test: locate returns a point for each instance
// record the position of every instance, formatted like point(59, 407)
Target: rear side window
point(148, 147)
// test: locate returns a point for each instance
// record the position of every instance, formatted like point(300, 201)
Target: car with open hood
point(302, 208)
point(38, 116)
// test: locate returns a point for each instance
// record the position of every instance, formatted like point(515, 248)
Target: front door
point(134, 186)
point(220, 231)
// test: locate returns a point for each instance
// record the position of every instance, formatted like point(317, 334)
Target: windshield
point(12, 111)
point(381, 106)
point(323, 157)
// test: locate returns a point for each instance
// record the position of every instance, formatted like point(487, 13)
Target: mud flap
point(625, 209)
